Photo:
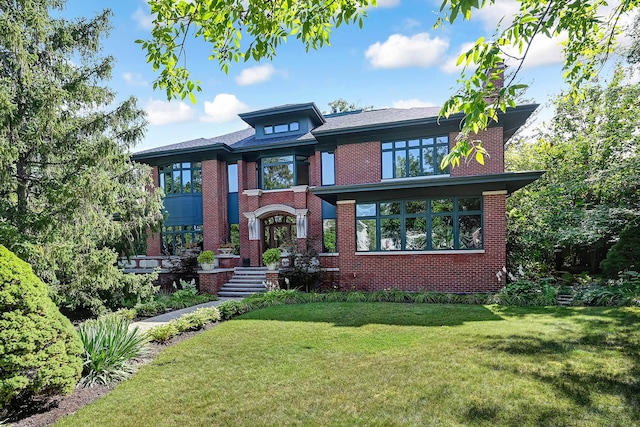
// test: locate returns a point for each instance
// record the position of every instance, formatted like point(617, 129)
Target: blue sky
point(396, 60)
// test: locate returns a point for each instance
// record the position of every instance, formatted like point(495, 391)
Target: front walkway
point(152, 322)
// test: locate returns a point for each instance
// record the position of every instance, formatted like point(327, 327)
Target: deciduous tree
point(242, 30)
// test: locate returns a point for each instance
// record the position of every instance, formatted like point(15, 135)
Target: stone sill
point(443, 252)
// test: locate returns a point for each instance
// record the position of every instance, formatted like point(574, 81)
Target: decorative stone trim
point(345, 202)
point(300, 188)
point(494, 192)
point(253, 192)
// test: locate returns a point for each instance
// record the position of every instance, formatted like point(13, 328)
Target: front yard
point(387, 364)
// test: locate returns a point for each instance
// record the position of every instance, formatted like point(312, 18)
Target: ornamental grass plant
point(109, 347)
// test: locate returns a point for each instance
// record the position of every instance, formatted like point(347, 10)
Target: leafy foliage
point(188, 322)
point(590, 40)
point(625, 254)
point(237, 30)
point(109, 346)
point(527, 293)
point(39, 349)
point(591, 154)
point(70, 193)
point(623, 291)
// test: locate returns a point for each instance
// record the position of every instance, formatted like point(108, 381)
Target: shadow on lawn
point(574, 364)
point(360, 314)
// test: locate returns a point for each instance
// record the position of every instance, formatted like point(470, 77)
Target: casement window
point(284, 172)
point(179, 237)
point(414, 157)
point(447, 223)
point(181, 178)
point(281, 128)
point(329, 230)
point(328, 164)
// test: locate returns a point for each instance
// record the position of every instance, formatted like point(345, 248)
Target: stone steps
point(564, 300)
point(245, 281)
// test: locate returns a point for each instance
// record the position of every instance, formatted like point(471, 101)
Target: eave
point(427, 187)
point(511, 120)
point(194, 154)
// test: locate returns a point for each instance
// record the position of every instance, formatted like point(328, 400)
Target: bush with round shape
point(39, 349)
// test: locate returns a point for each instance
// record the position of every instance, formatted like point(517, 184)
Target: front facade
point(365, 187)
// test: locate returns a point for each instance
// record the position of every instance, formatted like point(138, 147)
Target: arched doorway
point(278, 230)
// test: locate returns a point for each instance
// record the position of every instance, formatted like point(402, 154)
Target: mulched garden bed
point(45, 411)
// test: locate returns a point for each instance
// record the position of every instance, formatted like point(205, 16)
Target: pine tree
point(65, 168)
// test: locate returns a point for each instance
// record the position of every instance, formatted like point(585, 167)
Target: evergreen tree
point(69, 192)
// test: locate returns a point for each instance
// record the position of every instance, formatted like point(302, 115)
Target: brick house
point(366, 186)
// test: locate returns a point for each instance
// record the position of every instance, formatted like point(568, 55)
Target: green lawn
point(386, 364)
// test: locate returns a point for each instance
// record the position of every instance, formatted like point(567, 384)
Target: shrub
point(527, 293)
point(206, 257)
point(271, 256)
point(623, 291)
point(39, 349)
point(150, 308)
point(109, 346)
point(163, 333)
point(625, 254)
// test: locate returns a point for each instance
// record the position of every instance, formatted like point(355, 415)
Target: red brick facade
point(356, 163)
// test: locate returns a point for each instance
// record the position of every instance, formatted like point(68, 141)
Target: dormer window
point(281, 128)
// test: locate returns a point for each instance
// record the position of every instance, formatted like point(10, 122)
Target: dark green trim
point(282, 112)
point(428, 216)
point(427, 186)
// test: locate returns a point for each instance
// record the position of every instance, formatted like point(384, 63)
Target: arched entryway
point(278, 230)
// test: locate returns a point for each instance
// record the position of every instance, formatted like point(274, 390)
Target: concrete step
point(564, 300)
point(234, 294)
point(236, 279)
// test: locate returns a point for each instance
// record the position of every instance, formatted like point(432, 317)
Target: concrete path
point(152, 322)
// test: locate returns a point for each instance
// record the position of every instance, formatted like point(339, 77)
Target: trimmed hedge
point(39, 349)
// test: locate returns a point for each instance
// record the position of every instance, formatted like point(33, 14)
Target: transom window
point(178, 178)
point(417, 225)
point(281, 128)
point(284, 171)
point(414, 157)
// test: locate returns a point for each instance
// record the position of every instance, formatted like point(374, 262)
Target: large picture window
point(414, 157)
point(446, 223)
point(177, 238)
point(180, 178)
point(284, 171)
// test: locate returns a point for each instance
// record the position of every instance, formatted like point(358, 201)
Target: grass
point(386, 364)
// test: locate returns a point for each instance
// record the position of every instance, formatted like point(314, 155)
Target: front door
point(279, 230)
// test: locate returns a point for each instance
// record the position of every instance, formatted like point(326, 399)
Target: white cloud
point(449, 65)
point(411, 103)
point(134, 79)
point(401, 51)
point(491, 15)
point(224, 108)
point(165, 112)
point(257, 74)
point(387, 3)
point(144, 19)
point(543, 51)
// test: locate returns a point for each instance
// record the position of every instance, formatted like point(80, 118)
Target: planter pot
point(225, 251)
point(207, 267)
point(272, 267)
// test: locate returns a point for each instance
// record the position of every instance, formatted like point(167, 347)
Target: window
point(281, 128)
point(329, 232)
point(328, 164)
point(415, 157)
point(429, 224)
point(179, 237)
point(180, 178)
point(284, 172)
point(232, 177)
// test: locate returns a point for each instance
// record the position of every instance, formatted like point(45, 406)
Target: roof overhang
point(194, 154)
point(511, 120)
point(283, 112)
point(394, 189)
